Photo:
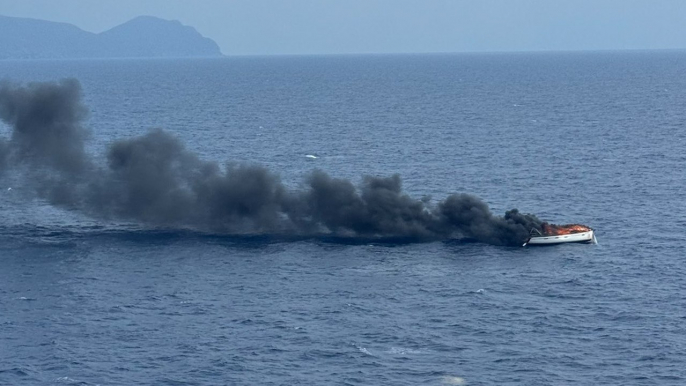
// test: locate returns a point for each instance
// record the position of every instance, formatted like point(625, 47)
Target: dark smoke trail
point(155, 180)
point(46, 121)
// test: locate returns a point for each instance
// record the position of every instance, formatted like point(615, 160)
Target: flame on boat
point(554, 230)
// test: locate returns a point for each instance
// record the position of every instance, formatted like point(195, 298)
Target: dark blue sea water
point(594, 138)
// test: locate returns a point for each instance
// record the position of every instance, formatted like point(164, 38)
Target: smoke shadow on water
point(73, 236)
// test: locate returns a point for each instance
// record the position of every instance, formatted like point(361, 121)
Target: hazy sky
point(246, 27)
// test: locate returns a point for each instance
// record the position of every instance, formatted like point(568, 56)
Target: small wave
point(403, 351)
point(20, 371)
point(363, 350)
point(453, 380)
point(70, 381)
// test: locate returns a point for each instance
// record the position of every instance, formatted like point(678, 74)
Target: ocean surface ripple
point(594, 138)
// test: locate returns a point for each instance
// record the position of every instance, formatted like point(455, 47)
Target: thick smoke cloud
point(154, 179)
point(46, 120)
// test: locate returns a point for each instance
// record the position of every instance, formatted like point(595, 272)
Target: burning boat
point(559, 234)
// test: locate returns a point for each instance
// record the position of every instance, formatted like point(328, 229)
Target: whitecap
point(402, 351)
point(67, 380)
point(453, 380)
point(363, 350)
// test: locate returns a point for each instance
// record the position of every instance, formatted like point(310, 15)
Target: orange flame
point(552, 229)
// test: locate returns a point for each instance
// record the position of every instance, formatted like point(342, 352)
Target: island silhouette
point(141, 37)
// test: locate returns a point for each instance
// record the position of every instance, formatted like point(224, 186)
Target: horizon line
point(341, 54)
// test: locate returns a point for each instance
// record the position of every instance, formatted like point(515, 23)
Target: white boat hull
point(582, 237)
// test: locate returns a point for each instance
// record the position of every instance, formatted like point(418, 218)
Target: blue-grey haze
point(248, 27)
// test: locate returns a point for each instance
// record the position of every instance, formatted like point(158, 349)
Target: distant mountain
point(148, 36)
point(142, 37)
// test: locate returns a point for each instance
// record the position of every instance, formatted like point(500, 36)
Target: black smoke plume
point(154, 179)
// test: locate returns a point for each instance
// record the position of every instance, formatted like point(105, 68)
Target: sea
point(597, 138)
